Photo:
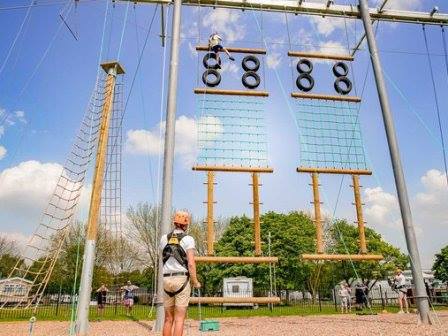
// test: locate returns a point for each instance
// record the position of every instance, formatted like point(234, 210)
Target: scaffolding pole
point(317, 213)
point(403, 199)
point(256, 207)
point(168, 155)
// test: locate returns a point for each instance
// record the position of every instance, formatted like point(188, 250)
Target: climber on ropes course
point(215, 45)
point(178, 268)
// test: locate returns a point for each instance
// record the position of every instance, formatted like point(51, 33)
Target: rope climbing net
point(44, 246)
point(232, 131)
point(330, 134)
point(111, 206)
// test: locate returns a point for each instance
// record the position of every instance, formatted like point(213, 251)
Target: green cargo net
point(231, 131)
point(330, 134)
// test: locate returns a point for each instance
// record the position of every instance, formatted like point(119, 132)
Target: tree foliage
point(292, 235)
point(440, 266)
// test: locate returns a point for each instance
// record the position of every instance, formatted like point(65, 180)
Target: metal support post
point(411, 241)
point(317, 214)
point(85, 290)
point(359, 215)
point(167, 186)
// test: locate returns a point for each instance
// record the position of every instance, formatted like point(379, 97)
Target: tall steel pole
point(85, 289)
point(167, 187)
point(411, 241)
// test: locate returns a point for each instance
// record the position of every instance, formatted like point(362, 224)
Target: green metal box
point(209, 326)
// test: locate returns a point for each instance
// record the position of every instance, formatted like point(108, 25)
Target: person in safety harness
point(179, 267)
point(399, 284)
point(215, 45)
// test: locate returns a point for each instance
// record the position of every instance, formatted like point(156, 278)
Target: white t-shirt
point(400, 280)
point(344, 292)
point(214, 40)
point(172, 265)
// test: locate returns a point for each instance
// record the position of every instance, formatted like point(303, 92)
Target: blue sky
point(45, 98)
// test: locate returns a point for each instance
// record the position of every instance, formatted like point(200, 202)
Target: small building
point(238, 287)
point(14, 289)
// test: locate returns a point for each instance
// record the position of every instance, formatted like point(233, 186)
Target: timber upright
point(82, 315)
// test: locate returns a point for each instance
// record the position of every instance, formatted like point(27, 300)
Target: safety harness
point(175, 250)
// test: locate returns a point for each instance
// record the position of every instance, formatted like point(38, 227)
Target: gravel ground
point(333, 325)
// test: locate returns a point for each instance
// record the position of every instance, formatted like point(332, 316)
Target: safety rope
point(125, 20)
point(436, 100)
point(74, 306)
point(19, 32)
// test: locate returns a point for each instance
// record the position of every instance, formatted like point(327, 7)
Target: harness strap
point(172, 294)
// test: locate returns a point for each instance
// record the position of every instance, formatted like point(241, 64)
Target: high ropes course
point(232, 138)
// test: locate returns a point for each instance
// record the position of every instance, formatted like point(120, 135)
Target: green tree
point(291, 235)
point(440, 266)
point(345, 240)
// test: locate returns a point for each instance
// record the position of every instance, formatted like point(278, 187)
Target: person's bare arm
point(192, 268)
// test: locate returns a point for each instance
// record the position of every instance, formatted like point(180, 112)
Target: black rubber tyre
point(247, 63)
point(207, 81)
point(340, 69)
point(255, 76)
point(206, 61)
point(341, 90)
point(307, 77)
point(304, 66)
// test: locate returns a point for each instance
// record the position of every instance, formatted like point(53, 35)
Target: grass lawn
point(144, 312)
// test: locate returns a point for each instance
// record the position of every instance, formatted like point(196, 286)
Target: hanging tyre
point(210, 61)
point(340, 69)
point(211, 73)
point(304, 66)
point(343, 85)
point(250, 63)
point(247, 83)
point(305, 82)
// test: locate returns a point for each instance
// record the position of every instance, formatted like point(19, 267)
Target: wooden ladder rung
point(236, 260)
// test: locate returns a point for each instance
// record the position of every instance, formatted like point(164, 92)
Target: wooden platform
point(236, 260)
point(236, 50)
point(319, 55)
point(234, 169)
point(340, 257)
point(111, 64)
point(249, 93)
point(221, 300)
point(302, 95)
point(334, 171)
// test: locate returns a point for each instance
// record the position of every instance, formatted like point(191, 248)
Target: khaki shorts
point(173, 284)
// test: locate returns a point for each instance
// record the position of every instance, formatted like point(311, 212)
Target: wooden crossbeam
point(334, 171)
point(235, 260)
point(301, 95)
point(235, 169)
point(222, 92)
point(340, 257)
point(221, 300)
point(318, 55)
point(236, 50)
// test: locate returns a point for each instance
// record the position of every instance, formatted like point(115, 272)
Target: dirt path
point(333, 325)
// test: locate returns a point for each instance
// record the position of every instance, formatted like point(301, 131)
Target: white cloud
point(147, 142)
point(225, 22)
point(27, 186)
point(20, 116)
point(381, 208)
point(431, 203)
point(2, 152)
point(229, 67)
point(25, 191)
point(326, 26)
